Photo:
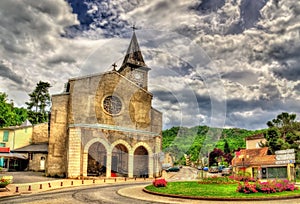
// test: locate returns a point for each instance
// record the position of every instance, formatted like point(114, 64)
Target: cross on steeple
point(114, 66)
point(133, 28)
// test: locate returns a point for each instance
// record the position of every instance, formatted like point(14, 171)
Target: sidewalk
point(41, 183)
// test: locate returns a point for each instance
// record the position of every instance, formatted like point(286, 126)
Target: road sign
point(285, 162)
point(285, 156)
point(286, 151)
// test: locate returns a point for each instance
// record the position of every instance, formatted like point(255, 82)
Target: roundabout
point(215, 196)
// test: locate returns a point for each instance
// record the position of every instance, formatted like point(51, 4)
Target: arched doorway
point(119, 161)
point(141, 161)
point(96, 160)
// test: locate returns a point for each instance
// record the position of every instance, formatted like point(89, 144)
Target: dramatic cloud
point(211, 60)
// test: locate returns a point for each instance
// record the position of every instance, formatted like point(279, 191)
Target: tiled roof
point(253, 157)
point(134, 54)
point(41, 147)
point(257, 136)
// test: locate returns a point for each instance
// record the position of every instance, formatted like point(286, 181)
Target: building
point(16, 136)
point(256, 162)
point(37, 151)
point(104, 124)
point(254, 141)
point(11, 138)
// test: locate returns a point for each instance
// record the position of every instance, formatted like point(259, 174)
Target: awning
point(13, 155)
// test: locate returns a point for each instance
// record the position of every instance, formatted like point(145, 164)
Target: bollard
point(135, 178)
point(61, 183)
point(41, 186)
point(49, 184)
point(144, 178)
point(29, 188)
point(104, 180)
point(125, 178)
point(82, 182)
point(93, 180)
point(115, 180)
point(17, 189)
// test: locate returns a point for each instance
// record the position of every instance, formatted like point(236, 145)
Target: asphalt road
point(104, 194)
point(120, 193)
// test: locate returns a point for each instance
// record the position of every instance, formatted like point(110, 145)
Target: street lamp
point(243, 160)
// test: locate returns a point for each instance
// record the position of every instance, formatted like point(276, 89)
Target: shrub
point(244, 173)
point(160, 182)
point(246, 188)
point(243, 178)
point(216, 180)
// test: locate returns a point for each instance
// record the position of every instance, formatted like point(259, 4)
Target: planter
point(3, 185)
point(5, 180)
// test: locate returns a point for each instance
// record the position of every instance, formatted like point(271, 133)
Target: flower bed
point(160, 182)
point(266, 187)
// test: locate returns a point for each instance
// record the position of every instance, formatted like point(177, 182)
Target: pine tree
point(38, 102)
point(226, 147)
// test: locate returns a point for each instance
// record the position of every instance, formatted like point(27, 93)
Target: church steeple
point(134, 67)
point(133, 55)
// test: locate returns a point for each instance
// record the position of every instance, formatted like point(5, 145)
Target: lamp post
point(243, 163)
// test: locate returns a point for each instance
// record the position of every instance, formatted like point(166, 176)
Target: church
point(105, 125)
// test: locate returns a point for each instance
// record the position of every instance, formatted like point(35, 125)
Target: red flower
point(160, 182)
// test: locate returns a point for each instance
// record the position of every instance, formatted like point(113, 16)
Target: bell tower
point(133, 66)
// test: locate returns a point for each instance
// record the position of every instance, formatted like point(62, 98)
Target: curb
point(10, 195)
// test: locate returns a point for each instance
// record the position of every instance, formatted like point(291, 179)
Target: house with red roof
point(256, 162)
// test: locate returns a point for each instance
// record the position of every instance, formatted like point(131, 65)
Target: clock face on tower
point(112, 105)
point(138, 78)
point(138, 75)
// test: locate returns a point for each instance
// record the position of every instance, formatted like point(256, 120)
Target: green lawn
point(192, 188)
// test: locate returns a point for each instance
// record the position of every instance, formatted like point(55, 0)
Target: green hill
point(202, 140)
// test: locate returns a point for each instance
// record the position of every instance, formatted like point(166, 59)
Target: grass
point(192, 188)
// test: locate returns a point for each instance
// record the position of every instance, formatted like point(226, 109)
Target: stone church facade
point(105, 125)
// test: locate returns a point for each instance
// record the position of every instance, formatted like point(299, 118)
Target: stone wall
point(35, 163)
point(57, 149)
point(74, 158)
point(156, 121)
point(87, 95)
point(40, 133)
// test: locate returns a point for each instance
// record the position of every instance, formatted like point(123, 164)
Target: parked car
point(221, 167)
point(226, 171)
point(173, 169)
point(166, 166)
point(205, 168)
point(213, 169)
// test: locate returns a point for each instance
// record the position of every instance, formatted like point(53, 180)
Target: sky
point(221, 63)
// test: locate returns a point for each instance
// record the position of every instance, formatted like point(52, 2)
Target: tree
point(226, 147)
point(283, 132)
point(38, 102)
point(215, 155)
point(10, 115)
point(284, 122)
